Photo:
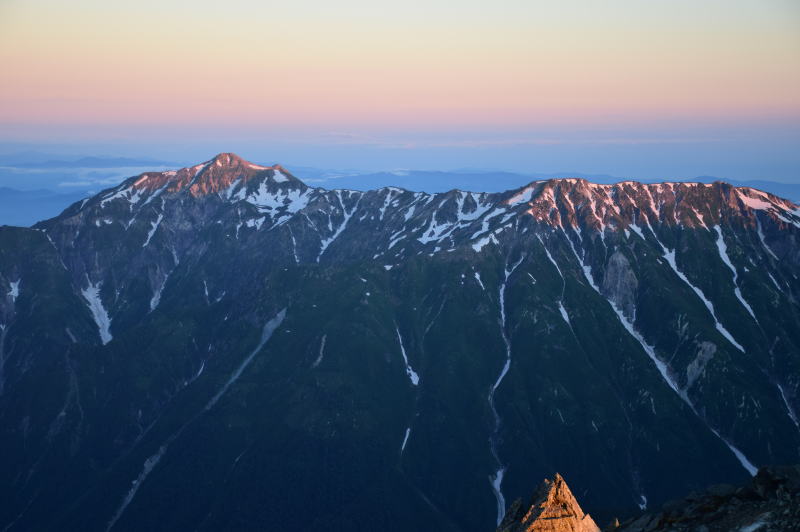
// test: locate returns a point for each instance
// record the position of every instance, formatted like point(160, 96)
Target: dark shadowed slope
point(436, 353)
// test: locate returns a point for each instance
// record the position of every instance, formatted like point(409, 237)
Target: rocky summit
point(552, 509)
point(768, 503)
point(224, 347)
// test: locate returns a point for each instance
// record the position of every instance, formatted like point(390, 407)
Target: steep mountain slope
point(224, 347)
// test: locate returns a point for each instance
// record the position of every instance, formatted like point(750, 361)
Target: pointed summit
point(213, 176)
point(552, 509)
point(227, 159)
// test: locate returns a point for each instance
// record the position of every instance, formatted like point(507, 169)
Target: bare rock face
point(620, 284)
point(553, 509)
point(769, 503)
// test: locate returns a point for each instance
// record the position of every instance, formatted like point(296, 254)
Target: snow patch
point(156, 299)
point(130, 194)
point(485, 223)
point(153, 227)
point(642, 502)
point(753, 203)
point(386, 203)
point(497, 484)
point(347, 215)
point(763, 240)
point(774, 282)
point(405, 440)
point(13, 292)
point(563, 312)
point(523, 196)
point(738, 454)
point(480, 244)
point(638, 230)
point(321, 351)
point(723, 253)
point(412, 375)
point(754, 526)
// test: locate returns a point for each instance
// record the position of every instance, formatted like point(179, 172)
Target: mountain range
point(223, 347)
point(40, 186)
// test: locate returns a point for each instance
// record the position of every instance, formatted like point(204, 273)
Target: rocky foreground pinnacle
point(552, 509)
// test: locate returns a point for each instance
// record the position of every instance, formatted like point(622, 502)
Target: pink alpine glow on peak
point(210, 177)
point(580, 203)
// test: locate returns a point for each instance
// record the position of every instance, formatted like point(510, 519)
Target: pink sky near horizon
point(531, 65)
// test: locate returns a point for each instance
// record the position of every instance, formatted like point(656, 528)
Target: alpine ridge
point(434, 351)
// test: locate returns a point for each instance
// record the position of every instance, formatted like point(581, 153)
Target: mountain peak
point(212, 176)
point(232, 160)
point(577, 202)
point(553, 508)
point(227, 159)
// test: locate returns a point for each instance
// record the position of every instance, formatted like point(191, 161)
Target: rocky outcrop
point(620, 283)
point(771, 502)
point(552, 509)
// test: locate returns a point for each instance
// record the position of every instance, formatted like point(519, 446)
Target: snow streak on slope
point(92, 296)
point(550, 257)
point(523, 196)
point(670, 256)
point(497, 488)
point(148, 467)
point(496, 480)
point(294, 245)
point(153, 460)
point(156, 299)
point(563, 312)
point(478, 278)
point(266, 334)
point(723, 253)
point(321, 351)
point(478, 246)
point(747, 464)
point(152, 231)
point(412, 375)
point(662, 367)
point(347, 215)
point(405, 440)
point(763, 240)
point(561, 309)
point(789, 408)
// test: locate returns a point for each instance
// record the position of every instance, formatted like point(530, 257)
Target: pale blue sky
point(646, 89)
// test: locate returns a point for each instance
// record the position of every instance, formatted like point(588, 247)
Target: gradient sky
point(516, 84)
